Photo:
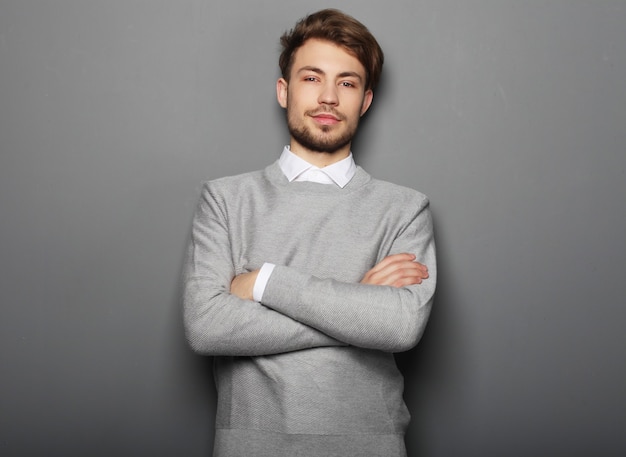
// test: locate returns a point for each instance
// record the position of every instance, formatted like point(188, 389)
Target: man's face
point(325, 97)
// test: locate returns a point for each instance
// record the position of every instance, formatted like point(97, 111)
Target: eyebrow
point(319, 71)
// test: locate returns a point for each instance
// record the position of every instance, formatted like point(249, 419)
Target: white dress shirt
point(297, 169)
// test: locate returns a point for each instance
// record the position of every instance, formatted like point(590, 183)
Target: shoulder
point(217, 195)
point(233, 185)
point(396, 194)
point(257, 178)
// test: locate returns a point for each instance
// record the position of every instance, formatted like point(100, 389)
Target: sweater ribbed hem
point(259, 443)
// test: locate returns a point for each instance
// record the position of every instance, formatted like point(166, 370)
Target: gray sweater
point(310, 371)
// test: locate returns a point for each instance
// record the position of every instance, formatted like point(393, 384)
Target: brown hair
point(339, 28)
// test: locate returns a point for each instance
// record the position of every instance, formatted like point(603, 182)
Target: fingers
point(396, 270)
point(390, 259)
point(399, 274)
point(405, 277)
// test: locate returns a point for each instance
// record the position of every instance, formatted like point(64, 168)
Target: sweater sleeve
point(219, 323)
point(377, 317)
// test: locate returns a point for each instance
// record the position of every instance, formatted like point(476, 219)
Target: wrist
point(261, 280)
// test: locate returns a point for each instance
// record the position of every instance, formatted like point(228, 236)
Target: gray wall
point(510, 115)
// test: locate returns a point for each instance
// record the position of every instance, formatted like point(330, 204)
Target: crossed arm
point(397, 270)
point(385, 318)
point(386, 311)
point(230, 323)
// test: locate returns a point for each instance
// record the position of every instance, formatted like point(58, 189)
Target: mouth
point(326, 118)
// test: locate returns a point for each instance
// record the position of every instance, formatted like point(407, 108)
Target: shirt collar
point(339, 172)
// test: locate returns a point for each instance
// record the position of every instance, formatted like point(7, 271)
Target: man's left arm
point(385, 317)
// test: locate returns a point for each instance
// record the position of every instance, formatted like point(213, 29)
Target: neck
point(319, 159)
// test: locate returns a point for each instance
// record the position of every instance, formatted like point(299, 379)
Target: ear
point(281, 92)
point(367, 101)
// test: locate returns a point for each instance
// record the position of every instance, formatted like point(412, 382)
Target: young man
point(304, 278)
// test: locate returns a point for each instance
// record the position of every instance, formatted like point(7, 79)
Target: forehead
point(326, 56)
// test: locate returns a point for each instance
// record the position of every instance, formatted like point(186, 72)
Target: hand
point(243, 284)
point(397, 270)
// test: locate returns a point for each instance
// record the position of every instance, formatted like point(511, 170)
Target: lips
point(325, 118)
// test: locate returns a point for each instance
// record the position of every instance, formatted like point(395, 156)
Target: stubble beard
point(322, 142)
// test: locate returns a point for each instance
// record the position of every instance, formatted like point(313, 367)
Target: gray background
point(510, 115)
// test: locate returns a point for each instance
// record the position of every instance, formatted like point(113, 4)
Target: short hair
point(342, 30)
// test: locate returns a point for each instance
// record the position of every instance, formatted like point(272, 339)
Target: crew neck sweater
point(309, 371)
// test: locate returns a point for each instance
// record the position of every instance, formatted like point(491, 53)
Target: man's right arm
point(396, 270)
point(220, 323)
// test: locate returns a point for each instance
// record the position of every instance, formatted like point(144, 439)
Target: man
point(304, 278)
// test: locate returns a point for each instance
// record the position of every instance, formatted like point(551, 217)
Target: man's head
point(330, 63)
point(343, 31)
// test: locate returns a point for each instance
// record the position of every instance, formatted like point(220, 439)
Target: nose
point(328, 94)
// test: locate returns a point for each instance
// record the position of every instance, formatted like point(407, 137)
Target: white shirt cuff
point(261, 281)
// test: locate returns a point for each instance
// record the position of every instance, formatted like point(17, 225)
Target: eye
point(347, 84)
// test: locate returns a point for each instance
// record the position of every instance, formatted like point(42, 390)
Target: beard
point(324, 141)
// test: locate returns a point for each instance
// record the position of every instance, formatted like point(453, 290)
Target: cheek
point(357, 111)
point(302, 94)
point(354, 104)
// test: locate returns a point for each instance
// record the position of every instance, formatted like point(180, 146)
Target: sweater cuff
point(284, 291)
